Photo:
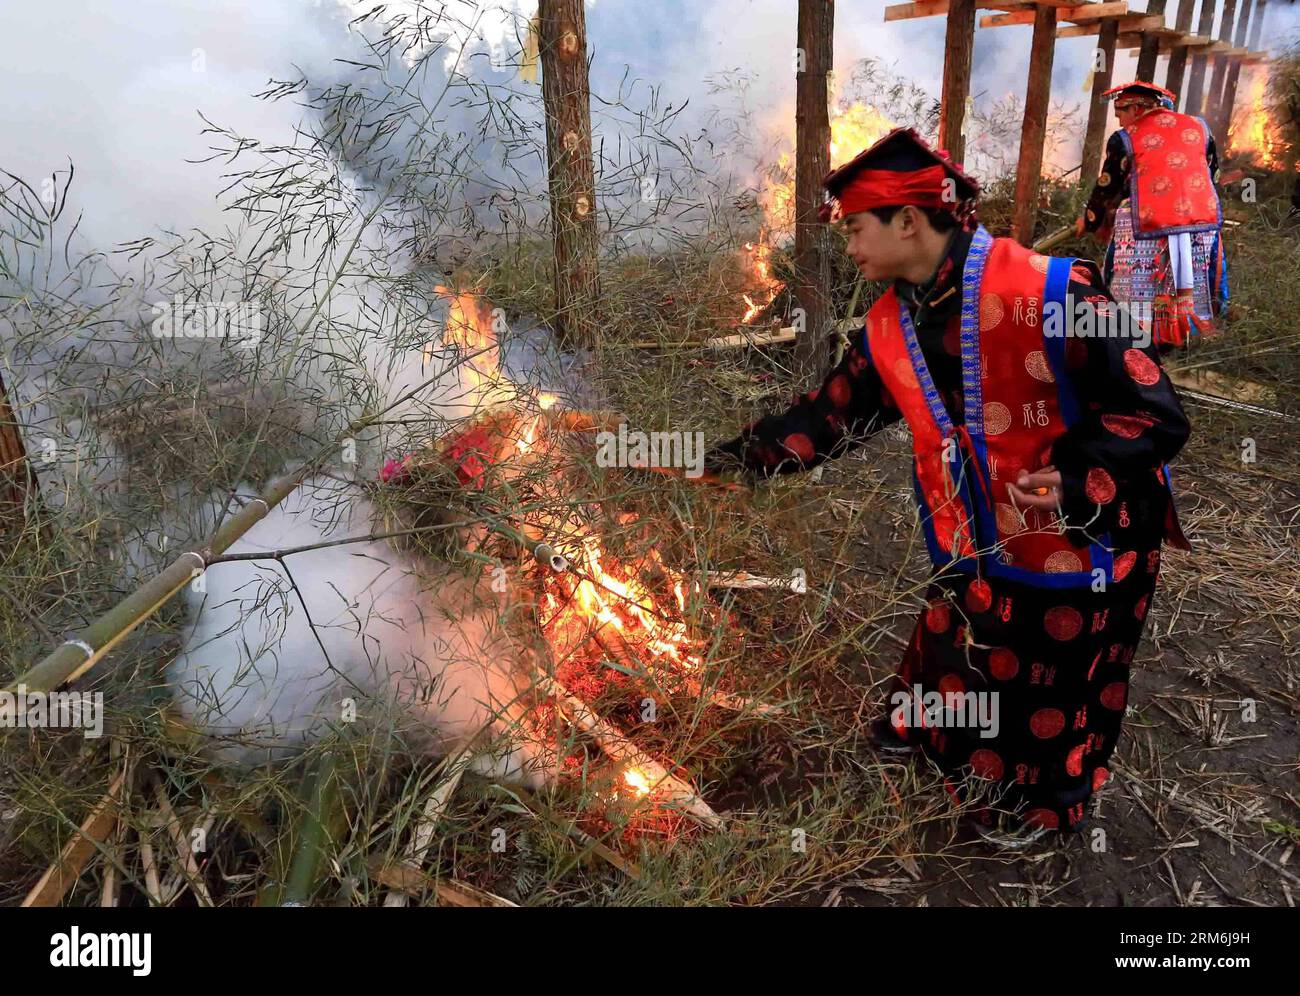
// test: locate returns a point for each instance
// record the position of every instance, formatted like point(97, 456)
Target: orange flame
point(469, 325)
point(1253, 130)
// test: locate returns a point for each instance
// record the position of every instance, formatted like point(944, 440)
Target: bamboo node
point(81, 645)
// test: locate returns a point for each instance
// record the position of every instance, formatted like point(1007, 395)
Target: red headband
point(873, 188)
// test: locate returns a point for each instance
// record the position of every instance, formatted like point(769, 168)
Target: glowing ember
point(637, 781)
point(1253, 130)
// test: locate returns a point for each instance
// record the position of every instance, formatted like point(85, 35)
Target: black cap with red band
point(899, 169)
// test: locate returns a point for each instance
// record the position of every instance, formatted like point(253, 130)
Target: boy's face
point(882, 251)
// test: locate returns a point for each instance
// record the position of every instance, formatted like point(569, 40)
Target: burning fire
point(1253, 128)
point(470, 326)
point(854, 127)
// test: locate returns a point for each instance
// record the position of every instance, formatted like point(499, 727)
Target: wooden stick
point(1053, 239)
point(413, 881)
point(620, 748)
point(94, 829)
point(189, 866)
point(434, 807)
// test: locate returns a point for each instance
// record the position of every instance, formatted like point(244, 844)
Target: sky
point(117, 86)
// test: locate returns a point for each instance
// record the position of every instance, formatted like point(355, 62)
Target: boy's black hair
point(941, 220)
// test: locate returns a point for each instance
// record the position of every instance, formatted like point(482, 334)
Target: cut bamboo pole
point(188, 865)
point(434, 807)
point(413, 881)
point(620, 748)
point(95, 829)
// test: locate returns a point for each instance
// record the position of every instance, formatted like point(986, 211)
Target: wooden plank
point(1033, 129)
point(1195, 96)
point(1220, 75)
point(1127, 23)
point(937, 8)
point(1095, 134)
point(1178, 53)
point(1076, 14)
point(959, 45)
point(1149, 50)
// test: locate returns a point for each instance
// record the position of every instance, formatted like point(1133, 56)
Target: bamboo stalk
point(620, 748)
point(434, 807)
point(95, 829)
point(188, 865)
point(407, 878)
point(1053, 239)
point(320, 823)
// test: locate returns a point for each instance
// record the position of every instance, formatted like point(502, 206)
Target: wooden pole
point(1220, 74)
point(812, 247)
point(958, 45)
point(1258, 26)
point(1196, 81)
point(567, 101)
point(1150, 49)
point(1178, 56)
point(1228, 97)
point(1095, 135)
point(1033, 130)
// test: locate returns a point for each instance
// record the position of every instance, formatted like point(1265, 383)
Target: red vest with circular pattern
point(1170, 186)
point(1017, 400)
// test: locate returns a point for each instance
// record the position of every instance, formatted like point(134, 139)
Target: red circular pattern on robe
point(1141, 367)
point(1063, 622)
point(1193, 136)
point(1140, 610)
point(997, 418)
point(839, 391)
point(950, 684)
point(801, 446)
point(1036, 366)
point(1099, 777)
point(1042, 818)
point(937, 617)
point(1003, 664)
point(1062, 562)
point(1126, 426)
point(1008, 519)
point(1152, 140)
point(979, 596)
point(1176, 160)
point(1124, 563)
point(992, 311)
point(1162, 184)
point(1046, 723)
point(985, 763)
point(1074, 762)
point(1099, 486)
point(1114, 696)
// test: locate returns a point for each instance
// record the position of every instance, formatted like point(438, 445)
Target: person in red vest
point(1040, 474)
point(1155, 200)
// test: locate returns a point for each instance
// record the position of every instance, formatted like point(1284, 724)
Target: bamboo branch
point(95, 829)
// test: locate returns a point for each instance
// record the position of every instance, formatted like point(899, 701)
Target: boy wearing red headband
point(1039, 471)
point(1155, 200)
